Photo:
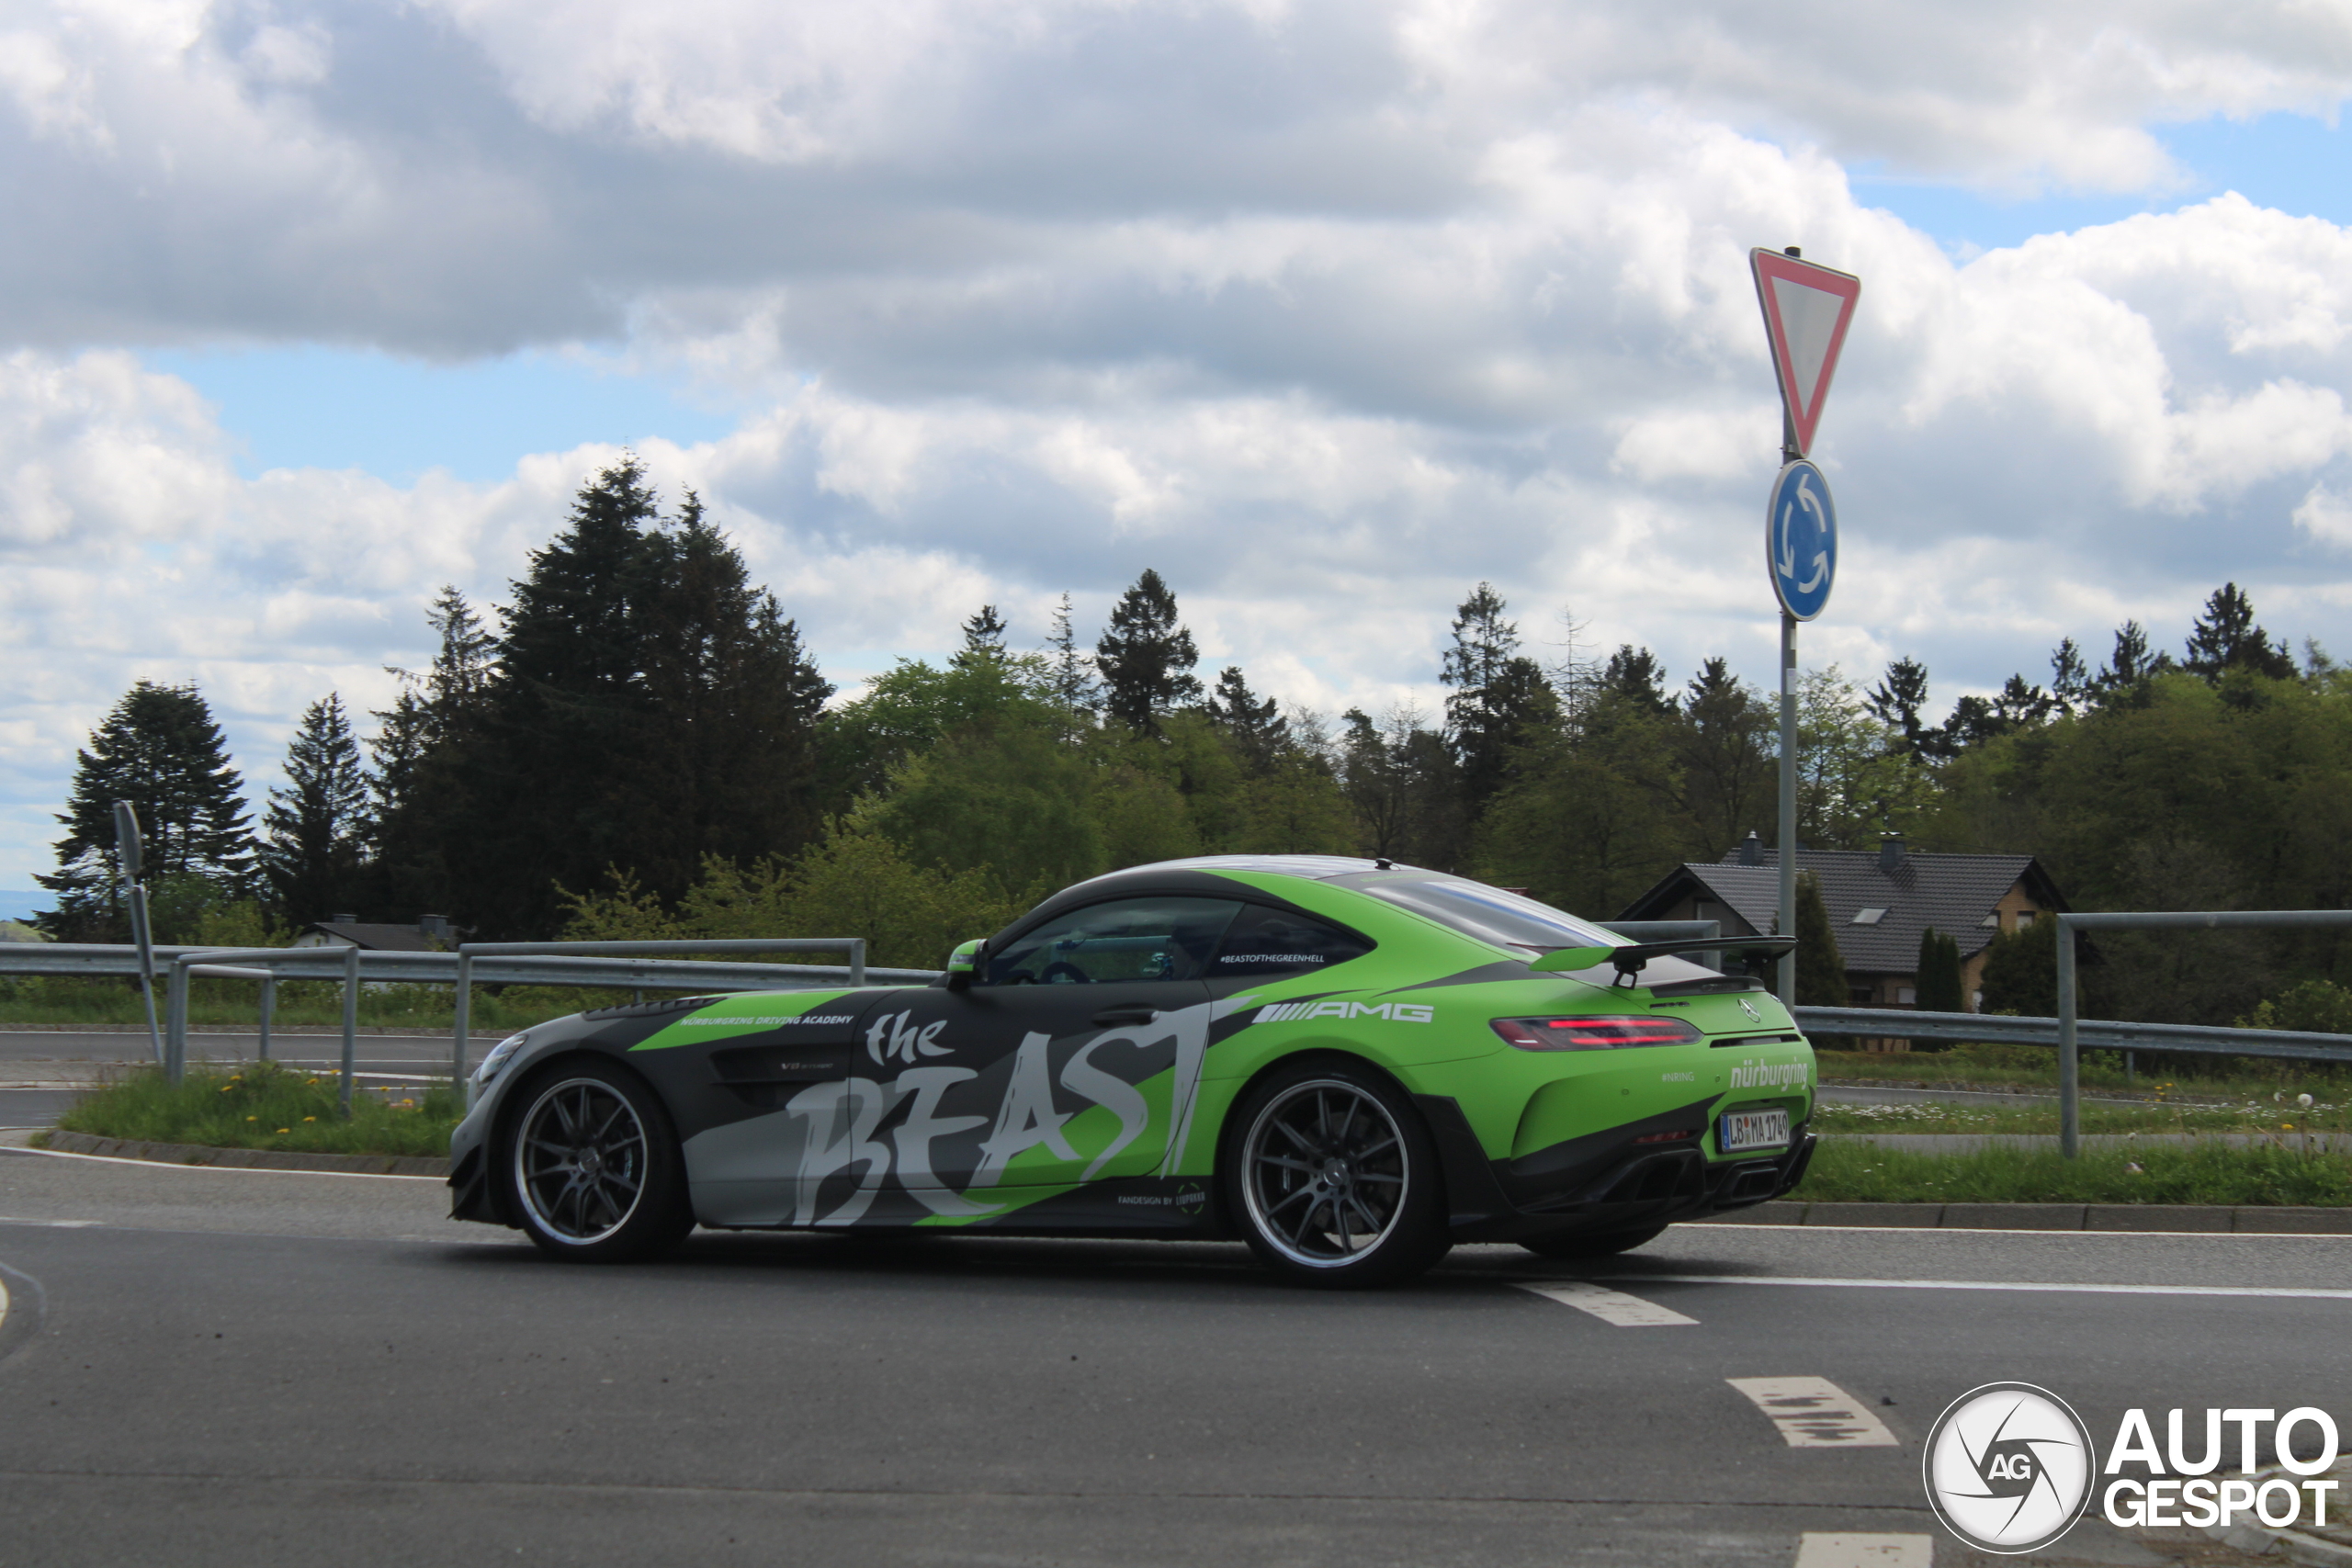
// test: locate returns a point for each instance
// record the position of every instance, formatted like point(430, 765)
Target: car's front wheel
point(1334, 1179)
point(593, 1168)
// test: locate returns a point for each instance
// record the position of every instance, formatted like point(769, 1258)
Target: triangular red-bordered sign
point(1806, 309)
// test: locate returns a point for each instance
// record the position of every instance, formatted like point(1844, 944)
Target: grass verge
point(2273, 1116)
point(265, 1106)
point(2189, 1173)
point(2160, 1078)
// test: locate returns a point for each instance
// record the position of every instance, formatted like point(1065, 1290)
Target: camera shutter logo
point(2008, 1467)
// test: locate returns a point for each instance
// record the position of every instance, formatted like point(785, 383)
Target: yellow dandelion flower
point(253, 1117)
point(285, 1129)
point(310, 1118)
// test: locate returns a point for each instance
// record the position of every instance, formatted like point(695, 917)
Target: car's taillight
point(1590, 1033)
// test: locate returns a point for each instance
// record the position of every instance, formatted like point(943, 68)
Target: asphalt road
point(246, 1368)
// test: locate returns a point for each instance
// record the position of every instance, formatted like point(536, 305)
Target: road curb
point(2250, 1219)
point(246, 1159)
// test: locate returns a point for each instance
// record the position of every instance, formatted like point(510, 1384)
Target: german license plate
point(1753, 1130)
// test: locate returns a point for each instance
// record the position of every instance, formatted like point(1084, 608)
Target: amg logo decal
point(1770, 1075)
point(1394, 1013)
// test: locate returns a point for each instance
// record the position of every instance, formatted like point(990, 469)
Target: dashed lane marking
point(1818, 1550)
point(1609, 1307)
point(1814, 1413)
point(2301, 1292)
point(52, 1225)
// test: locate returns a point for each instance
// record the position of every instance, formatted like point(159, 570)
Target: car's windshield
point(1490, 914)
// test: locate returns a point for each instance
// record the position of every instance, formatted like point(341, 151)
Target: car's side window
point(1126, 940)
point(1277, 942)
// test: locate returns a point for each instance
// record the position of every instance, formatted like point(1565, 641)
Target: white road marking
point(1814, 1413)
point(2007, 1230)
point(2291, 1292)
point(1609, 1307)
point(1817, 1551)
point(53, 1224)
point(4, 1304)
point(230, 1170)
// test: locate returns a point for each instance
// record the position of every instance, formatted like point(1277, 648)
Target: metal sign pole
point(1790, 453)
point(2070, 1052)
point(350, 1021)
point(130, 853)
point(1788, 986)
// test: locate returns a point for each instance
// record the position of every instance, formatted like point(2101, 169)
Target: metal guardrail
point(2069, 997)
point(469, 953)
point(78, 958)
point(603, 965)
point(2098, 1034)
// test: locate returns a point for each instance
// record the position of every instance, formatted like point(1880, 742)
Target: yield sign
point(1806, 311)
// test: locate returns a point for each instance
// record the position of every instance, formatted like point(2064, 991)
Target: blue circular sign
point(1800, 540)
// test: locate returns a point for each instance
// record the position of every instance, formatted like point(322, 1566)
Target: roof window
point(1869, 917)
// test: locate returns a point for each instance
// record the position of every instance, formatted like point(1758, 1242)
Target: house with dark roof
point(1879, 904)
point(432, 933)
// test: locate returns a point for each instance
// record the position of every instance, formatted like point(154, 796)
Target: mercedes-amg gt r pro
point(1350, 1065)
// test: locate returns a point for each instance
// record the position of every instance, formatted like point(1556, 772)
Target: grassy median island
point(265, 1106)
point(2271, 1116)
point(2160, 1078)
point(2217, 1173)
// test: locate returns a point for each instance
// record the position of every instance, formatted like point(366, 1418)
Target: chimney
point(433, 925)
point(347, 920)
point(1891, 854)
point(1751, 849)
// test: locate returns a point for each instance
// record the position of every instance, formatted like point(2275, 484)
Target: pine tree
point(160, 749)
point(1938, 987)
point(728, 707)
point(2070, 678)
point(1255, 727)
point(1400, 778)
point(1726, 744)
point(1147, 656)
point(1635, 676)
point(649, 708)
point(415, 749)
point(1069, 669)
point(983, 638)
point(1897, 702)
point(2225, 637)
point(317, 824)
point(1500, 697)
point(1821, 971)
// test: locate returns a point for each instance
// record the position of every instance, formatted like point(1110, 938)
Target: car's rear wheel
point(593, 1168)
point(1334, 1179)
point(1591, 1244)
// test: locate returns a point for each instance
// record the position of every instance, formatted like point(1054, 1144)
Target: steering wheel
point(1064, 974)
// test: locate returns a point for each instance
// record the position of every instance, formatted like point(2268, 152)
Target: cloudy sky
point(1326, 309)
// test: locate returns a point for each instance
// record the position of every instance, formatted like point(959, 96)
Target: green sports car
point(1348, 1064)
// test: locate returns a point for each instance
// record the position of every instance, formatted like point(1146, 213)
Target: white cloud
point(1328, 309)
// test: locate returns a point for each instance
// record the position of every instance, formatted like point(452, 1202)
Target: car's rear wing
point(1631, 959)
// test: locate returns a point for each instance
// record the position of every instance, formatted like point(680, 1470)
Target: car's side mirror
point(963, 964)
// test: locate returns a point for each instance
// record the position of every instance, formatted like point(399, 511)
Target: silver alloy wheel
point(580, 1160)
point(1324, 1173)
